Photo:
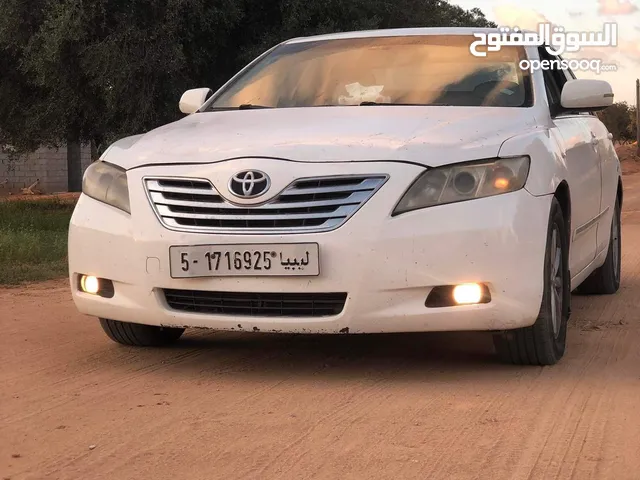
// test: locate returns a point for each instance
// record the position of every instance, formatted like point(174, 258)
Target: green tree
point(619, 119)
point(295, 18)
point(88, 71)
point(93, 70)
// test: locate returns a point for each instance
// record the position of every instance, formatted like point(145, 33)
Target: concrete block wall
point(47, 164)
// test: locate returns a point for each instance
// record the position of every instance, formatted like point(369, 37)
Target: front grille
point(256, 304)
point(306, 205)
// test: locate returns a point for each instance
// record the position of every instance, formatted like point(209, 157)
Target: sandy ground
point(628, 155)
point(73, 405)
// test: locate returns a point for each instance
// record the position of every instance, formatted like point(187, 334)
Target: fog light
point(454, 295)
point(467, 294)
point(89, 284)
point(96, 286)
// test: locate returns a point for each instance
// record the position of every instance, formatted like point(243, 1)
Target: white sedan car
point(365, 182)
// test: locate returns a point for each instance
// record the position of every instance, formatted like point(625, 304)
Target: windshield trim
point(234, 79)
point(529, 101)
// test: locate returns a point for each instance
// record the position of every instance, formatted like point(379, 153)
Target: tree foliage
point(620, 119)
point(93, 70)
point(85, 70)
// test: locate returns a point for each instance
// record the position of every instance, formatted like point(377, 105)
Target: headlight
point(108, 184)
point(466, 181)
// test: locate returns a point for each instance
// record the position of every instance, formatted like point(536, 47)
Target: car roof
point(397, 32)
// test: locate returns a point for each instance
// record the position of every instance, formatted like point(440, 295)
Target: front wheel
point(544, 342)
point(137, 335)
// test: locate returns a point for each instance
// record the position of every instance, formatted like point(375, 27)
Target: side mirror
point(586, 95)
point(192, 100)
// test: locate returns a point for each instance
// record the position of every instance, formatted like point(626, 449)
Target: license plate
point(268, 260)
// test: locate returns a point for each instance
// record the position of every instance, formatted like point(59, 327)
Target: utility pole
point(638, 115)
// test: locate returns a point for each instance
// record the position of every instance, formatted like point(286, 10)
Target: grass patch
point(33, 240)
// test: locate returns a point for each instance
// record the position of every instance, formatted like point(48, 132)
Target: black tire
point(544, 342)
point(605, 280)
point(137, 335)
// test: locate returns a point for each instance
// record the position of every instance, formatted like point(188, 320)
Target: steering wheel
point(502, 93)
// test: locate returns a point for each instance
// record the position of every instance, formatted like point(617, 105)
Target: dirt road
point(239, 406)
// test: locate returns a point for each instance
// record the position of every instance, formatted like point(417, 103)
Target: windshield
point(413, 70)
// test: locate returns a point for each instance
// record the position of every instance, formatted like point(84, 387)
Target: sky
point(580, 15)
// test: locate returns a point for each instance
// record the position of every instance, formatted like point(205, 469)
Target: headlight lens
point(108, 184)
point(455, 183)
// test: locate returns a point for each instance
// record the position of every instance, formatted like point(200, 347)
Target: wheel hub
point(556, 281)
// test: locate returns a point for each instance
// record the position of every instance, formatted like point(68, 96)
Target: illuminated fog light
point(96, 286)
point(467, 294)
point(457, 295)
point(89, 284)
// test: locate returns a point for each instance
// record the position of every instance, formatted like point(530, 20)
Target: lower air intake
point(257, 304)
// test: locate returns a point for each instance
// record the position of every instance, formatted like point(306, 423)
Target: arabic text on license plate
point(291, 259)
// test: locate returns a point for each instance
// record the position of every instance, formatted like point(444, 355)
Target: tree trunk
point(94, 151)
point(74, 165)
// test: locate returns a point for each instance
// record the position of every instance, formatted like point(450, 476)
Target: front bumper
point(387, 265)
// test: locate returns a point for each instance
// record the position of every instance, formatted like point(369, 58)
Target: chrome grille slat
point(165, 211)
point(306, 205)
point(154, 186)
point(368, 184)
point(353, 199)
point(326, 226)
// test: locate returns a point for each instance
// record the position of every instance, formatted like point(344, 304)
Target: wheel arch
point(620, 191)
point(563, 195)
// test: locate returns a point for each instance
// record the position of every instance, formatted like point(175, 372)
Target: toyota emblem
point(249, 183)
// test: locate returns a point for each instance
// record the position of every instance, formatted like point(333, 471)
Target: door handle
point(594, 141)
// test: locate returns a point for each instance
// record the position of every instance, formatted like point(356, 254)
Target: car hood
point(430, 136)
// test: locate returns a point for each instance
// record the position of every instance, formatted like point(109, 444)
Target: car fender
point(548, 159)
point(114, 150)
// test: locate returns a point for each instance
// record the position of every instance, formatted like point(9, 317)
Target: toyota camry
point(364, 182)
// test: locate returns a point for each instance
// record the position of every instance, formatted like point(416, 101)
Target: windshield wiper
point(244, 106)
point(368, 104)
point(251, 106)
